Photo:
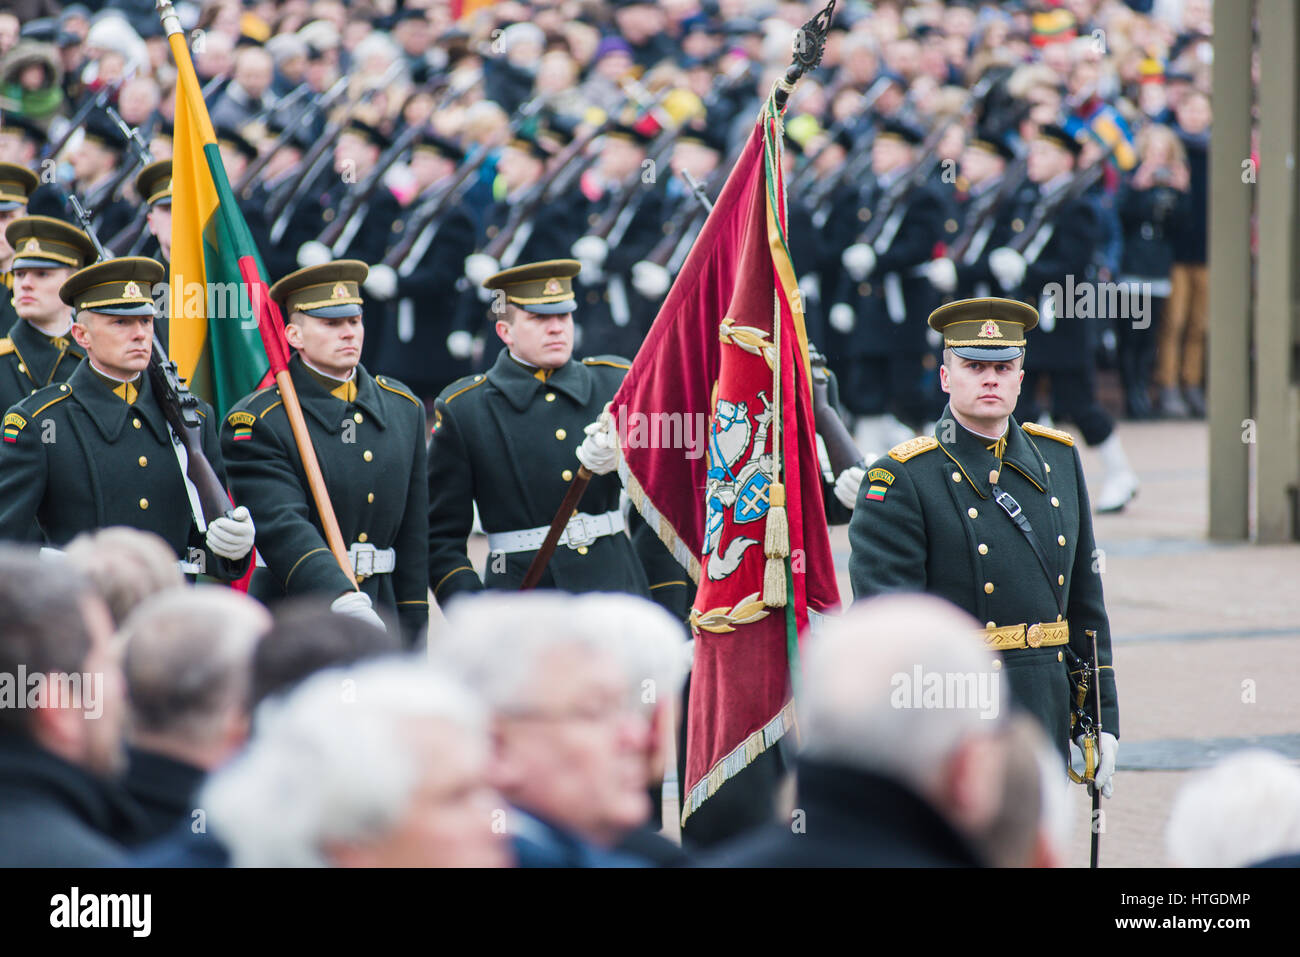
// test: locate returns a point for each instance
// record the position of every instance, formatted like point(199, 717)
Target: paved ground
point(1206, 640)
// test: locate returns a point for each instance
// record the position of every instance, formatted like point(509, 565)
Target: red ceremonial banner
point(746, 518)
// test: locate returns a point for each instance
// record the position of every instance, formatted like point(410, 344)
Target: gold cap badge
point(340, 291)
point(990, 330)
point(131, 289)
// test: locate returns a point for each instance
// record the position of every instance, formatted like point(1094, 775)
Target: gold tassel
point(776, 537)
point(774, 583)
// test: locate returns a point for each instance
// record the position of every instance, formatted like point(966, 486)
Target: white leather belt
point(583, 529)
point(367, 560)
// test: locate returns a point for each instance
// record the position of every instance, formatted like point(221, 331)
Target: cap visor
point(31, 262)
point(341, 311)
point(988, 353)
point(551, 308)
point(130, 309)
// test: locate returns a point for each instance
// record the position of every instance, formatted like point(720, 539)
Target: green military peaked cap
point(41, 242)
point(986, 330)
point(154, 183)
point(545, 288)
point(328, 291)
point(115, 287)
point(17, 183)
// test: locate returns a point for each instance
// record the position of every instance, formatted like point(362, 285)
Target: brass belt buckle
point(1034, 636)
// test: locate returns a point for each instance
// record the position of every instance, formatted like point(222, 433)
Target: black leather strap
point(1017, 516)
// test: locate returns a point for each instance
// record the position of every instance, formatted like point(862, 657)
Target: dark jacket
point(852, 818)
point(507, 441)
point(1151, 218)
point(163, 789)
point(934, 527)
point(372, 455)
point(538, 843)
point(56, 814)
point(75, 457)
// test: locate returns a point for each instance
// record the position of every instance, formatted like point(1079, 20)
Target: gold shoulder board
point(1033, 428)
point(912, 447)
point(6, 346)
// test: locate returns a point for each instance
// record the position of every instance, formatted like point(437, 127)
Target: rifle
point(299, 120)
point(356, 202)
point(180, 407)
point(98, 101)
point(284, 203)
point(1046, 208)
point(1012, 179)
point(841, 451)
point(431, 207)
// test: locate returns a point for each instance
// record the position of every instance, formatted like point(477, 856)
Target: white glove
point(381, 282)
point(478, 266)
point(942, 274)
point(356, 604)
point(688, 655)
point(1104, 776)
point(231, 537)
point(460, 344)
point(591, 251)
point(842, 317)
point(859, 259)
point(599, 450)
point(1008, 267)
point(849, 484)
point(650, 279)
point(313, 253)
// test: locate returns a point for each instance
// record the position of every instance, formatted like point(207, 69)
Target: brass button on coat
point(988, 588)
point(356, 417)
point(984, 549)
point(973, 512)
point(1056, 502)
point(956, 476)
point(567, 475)
point(1060, 539)
point(561, 434)
point(367, 455)
point(144, 503)
point(143, 461)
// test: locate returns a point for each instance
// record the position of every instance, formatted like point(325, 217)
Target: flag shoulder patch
point(6, 346)
point(1033, 428)
point(913, 447)
point(881, 475)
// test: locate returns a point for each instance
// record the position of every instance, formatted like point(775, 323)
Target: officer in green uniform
point(16, 186)
point(97, 450)
point(39, 349)
point(953, 514)
point(508, 440)
point(369, 436)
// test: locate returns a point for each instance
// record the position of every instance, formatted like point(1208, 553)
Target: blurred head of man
point(979, 165)
point(92, 161)
point(1244, 810)
point(137, 100)
point(1047, 160)
point(159, 219)
point(58, 633)
point(126, 566)
point(619, 157)
point(254, 71)
point(694, 157)
point(889, 153)
point(355, 155)
point(187, 655)
point(519, 168)
point(861, 707)
point(387, 764)
point(429, 167)
point(572, 748)
point(1193, 113)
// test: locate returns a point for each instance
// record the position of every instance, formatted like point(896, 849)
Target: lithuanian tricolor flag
point(213, 330)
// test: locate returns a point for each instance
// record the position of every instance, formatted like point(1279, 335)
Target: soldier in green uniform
point(154, 185)
point(953, 514)
point(39, 349)
point(369, 436)
point(97, 450)
point(509, 441)
point(16, 186)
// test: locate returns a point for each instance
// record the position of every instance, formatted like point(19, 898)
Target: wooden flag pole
point(567, 508)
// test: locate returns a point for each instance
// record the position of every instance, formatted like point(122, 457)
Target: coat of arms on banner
point(739, 481)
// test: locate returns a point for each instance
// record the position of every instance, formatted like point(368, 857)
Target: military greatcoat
point(31, 360)
point(506, 440)
point(371, 451)
point(926, 521)
point(76, 457)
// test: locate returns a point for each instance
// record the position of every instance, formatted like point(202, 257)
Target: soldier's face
point(981, 392)
point(331, 345)
point(119, 345)
point(36, 294)
point(544, 341)
point(1047, 161)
